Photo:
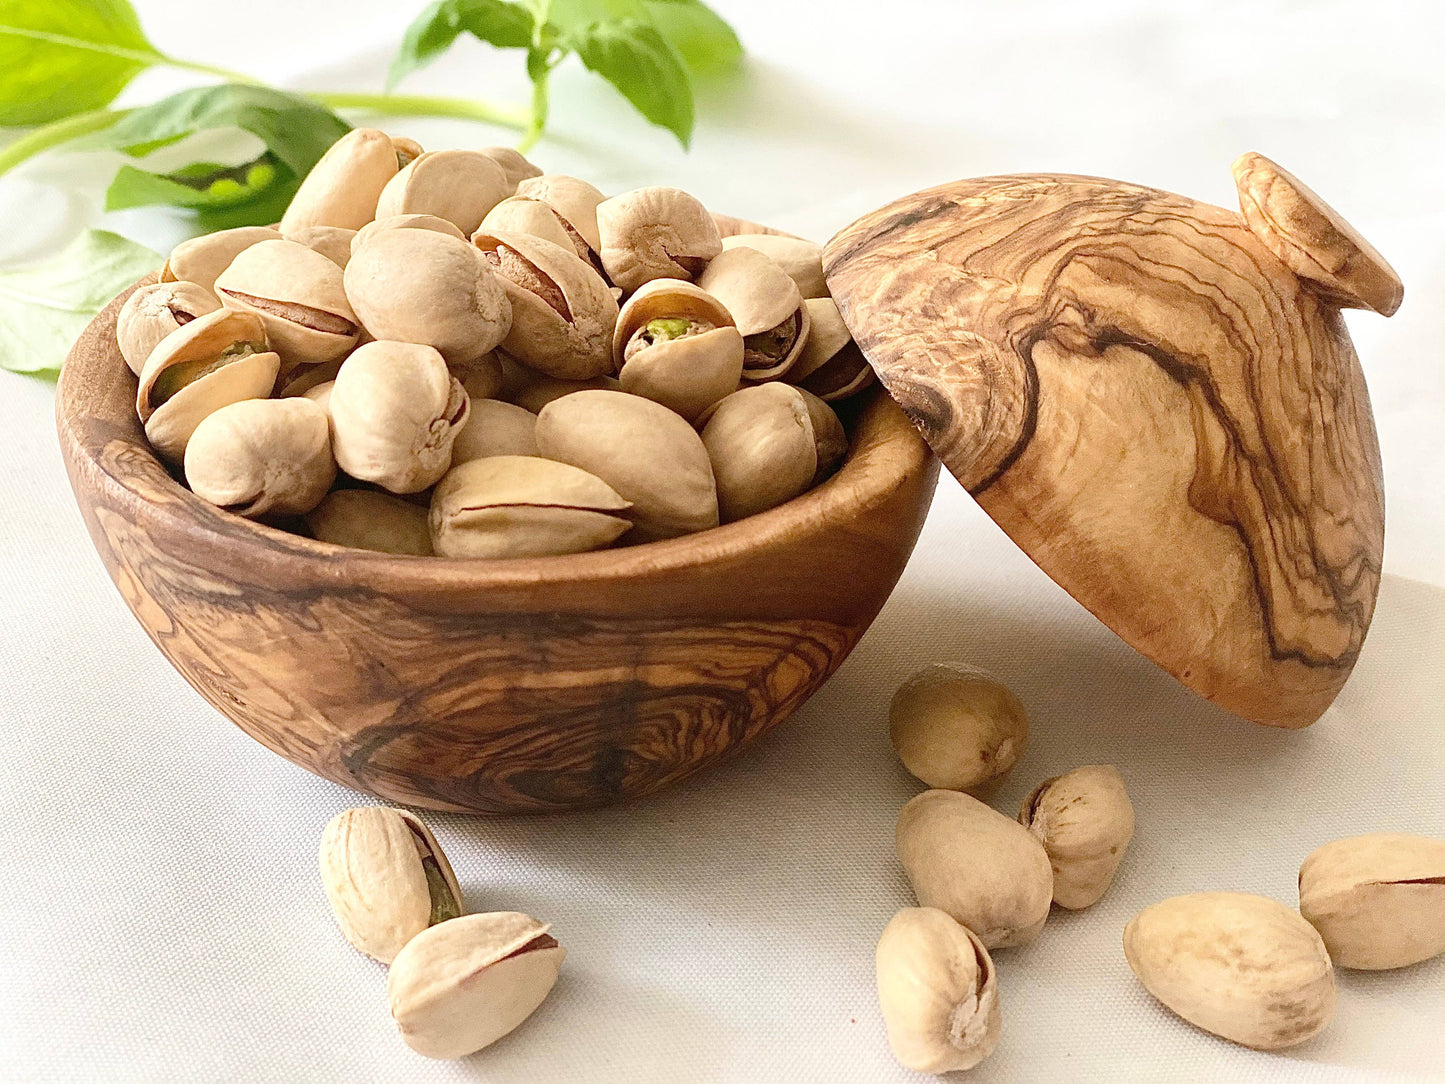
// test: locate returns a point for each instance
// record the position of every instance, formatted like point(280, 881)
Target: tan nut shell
point(1377, 900)
point(404, 222)
point(262, 457)
point(576, 201)
point(1242, 967)
point(298, 296)
point(302, 381)
point(535, 393)
point(153, 312)
point(521, 214)
point(515, 166)
point(1085, 821)
point(343, 187)
point(828, 434)
point(320, 394)
point(654, 233)
point(938, 992)
point(761, 445)
point(985, 870)
point(202, 259)
point(482, 377)
point(420, 286)
point(463, 984)
point(830, 365)
point(395, 411)
point(519, 506)
point(686, 375)
point(802, 260)
point(372, 868)
point(760, 296)
point(407, 150)
point(459, 186)
point(650, 455)
point(333, 242)
point(496, 428)
point(366, 520)
point(957, 728)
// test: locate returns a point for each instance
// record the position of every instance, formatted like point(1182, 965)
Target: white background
point(160, 912)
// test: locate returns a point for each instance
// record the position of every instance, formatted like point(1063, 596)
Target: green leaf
point(44, 307)
point(61, 57)
point(638, 61)
point(503, 24)
point(700, 35)
point(254, 193)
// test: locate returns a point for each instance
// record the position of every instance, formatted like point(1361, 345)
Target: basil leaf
point(254, 193)
point(498, 22)
point(707, 44)
point(61, 57)
point(45, 307)
point(638, 61)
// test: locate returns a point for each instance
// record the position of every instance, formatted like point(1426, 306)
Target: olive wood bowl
point(494, 686)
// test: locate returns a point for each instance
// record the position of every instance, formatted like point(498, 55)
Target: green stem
point(61, 131)
point(417, 105)
point(225, 74)
point(541, 103)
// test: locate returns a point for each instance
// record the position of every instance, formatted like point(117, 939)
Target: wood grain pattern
point(1170, 422)
point(494, 686)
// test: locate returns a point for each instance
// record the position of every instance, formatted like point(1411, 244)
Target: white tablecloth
point(160, 911)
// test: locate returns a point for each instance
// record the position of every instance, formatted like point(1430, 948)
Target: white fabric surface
point(160, 912)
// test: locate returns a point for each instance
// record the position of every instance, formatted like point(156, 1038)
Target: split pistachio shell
point(761, 445)
point(496, 428)
point(386, 878)
point(1377, 900)
point(536, 392)
point(575, 201)
point(1085, 821)
point(420, 286)
point(957, 728)
point(262, 457)
point(519, 506)
point(153, 312)
point(407, 150)
point(202, 259)
point(765, 304)
point(343, 187)
point(985, 870)
point(644, 451)
point(459, 186)
point(830, 364)
point(828, 434)
point(1242, 967)
point(404, 222)
point(562, 311)
point(676, 345)
point(515, 167)
point(211, 362)
point(460, 986)
point(520, 214)
point(367, 520)
point(303, 380)
point(938, 992)
point(802, 260)
point(299, 297)
point(321, 395)
point(655, 233)
point(333, 242)
point(395, 411)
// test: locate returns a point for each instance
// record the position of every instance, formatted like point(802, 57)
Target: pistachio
point(366, 520)
point(407, 151)
point(298, 295)
point(802, 260)
point(677, 346)
point(957, 728)
point(985, 870)
point(333, 242)
point(462, 985)
point(513, 164)
point(535, 392)
point(1085, 821)
point(386, 878)
point(303, 380)
point(562, 312)
point(522, 214)
point(496, 428)
point(574, 201)
point(828, 433)
point(830, 364)
point(1377, 900)
point(654, 233)
point(763, 452)
point(1242, 967)
point(644, 451)
point(765, 304)
point(938, 992)
point(395, 411)
point(262, 457)
point(404, 222)
point(420, 286)
point(202, 259)
point(459, 186)
point(320, 394)
point(521, 506)
point(208, 363)
point(153, 312)
point(343, 187)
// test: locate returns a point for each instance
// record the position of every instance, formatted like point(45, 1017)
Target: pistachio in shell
point(522, 214)
point(459, 186)
point(830, 364)
point(153, 312)
point(654, 233)
point(676, 345)
point(496, 428)
point(333, 242)
point(534, 392)
point(202, 259)
point(802, 260)
point(957, 728)
point(367, 520)
point(1085, 821)
point(262, 457)
point(575, 202)
point(407, 150)
point(829, 436)
point(766, 306)
point(515, 166)
point(404, 222)
point(762, 448)
point(343, 187)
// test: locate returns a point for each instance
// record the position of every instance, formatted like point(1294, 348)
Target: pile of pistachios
point(453, 353)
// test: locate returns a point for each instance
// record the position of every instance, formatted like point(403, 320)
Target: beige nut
point(482, 377)
point(1242, 967)
point(828, 434)
point(655, 233)
point(366, 520)
point(957, 728)
point(153, 312)
point(298, 295)
point(938, 992)
point(802, 260)
point(459, 186)
point(463, 984)
point(534, 392)
point(520, 506)
point(765, 304)
point(1085, 821)
point(262, 457)
point(320, 394)
point(761, 445)
point(830, 364)
point(333, 242)
point(343, 187)
point(386, 878)
point(210, 362)
point(202, 259)
point(421, 286)
point(1377, 900)
point(303, 380)
point(404, 222)
point(676, 345)
point(650, 455)
point(514, 165)
point(575, 201)
point(407, 150)
point(563, 313)
point(496, 428)
point(520, 214)
point(395, 411)
point(985, 870)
